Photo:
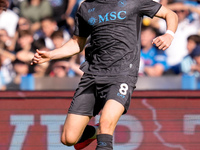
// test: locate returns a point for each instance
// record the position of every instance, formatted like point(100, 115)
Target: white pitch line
point(159, 127)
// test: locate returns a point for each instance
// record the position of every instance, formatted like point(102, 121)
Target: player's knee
point(106, 126)
point(68, 140)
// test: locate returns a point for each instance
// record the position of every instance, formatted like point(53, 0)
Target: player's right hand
point(163, 42)
point(41, 57)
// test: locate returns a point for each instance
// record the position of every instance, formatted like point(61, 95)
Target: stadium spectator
point(49, 25)
point(59, 8)
point(40, 44)
point(8, 20)
point(23, 25)
point(71, 12)
point(7, 40)
point(27, 48)
point(26, 43)
point(2, 83)
point(152, 61)
point(3, 5)
point(61, 11)
point(71, 66)
point(35, 10)
point(6, 68)
point(15, 6)
point(21, 69)
point(40, 69)
point(58, 38)
point(193, 6)
point(196, 56)
point(178, 49)
point(191, 62)
point(2, 80)
point(60, 69)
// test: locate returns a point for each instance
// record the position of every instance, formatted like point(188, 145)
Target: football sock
point(104, 142)
point(89, 132)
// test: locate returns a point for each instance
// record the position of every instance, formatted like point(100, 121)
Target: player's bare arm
point(164, 41)
point(72, 47)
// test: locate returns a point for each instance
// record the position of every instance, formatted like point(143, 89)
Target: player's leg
point(81, 110)
point(73, 128)
point(88, 136)
point(110, 115)
point(118, 97)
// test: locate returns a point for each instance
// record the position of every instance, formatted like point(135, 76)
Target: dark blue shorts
point(93, 92)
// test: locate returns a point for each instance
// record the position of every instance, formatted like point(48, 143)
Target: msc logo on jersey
point(110, 16)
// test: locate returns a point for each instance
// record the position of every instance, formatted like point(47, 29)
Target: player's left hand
point(163, 41)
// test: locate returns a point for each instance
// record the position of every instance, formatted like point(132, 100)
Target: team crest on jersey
point(92, 21)
point(122, 3)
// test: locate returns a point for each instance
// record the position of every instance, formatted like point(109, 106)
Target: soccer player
point(111, 66)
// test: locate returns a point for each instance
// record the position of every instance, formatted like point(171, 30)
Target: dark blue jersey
point(114, 27)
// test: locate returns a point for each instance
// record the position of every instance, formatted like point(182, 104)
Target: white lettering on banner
point(54, 123)
point(159, 127)
point(190, 123)
point(22, 124)
point(136, 132)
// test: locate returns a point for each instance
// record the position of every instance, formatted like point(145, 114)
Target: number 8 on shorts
point(123, 89)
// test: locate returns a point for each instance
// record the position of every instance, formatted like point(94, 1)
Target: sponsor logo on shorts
point(120, 95)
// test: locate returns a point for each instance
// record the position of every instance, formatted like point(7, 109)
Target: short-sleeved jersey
point(114, 27)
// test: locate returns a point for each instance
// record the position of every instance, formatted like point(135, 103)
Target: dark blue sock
point(104, 142)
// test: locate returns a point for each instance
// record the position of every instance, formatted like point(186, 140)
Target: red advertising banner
point(156, 120)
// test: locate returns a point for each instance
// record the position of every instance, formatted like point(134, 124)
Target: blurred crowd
point(28, 25)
